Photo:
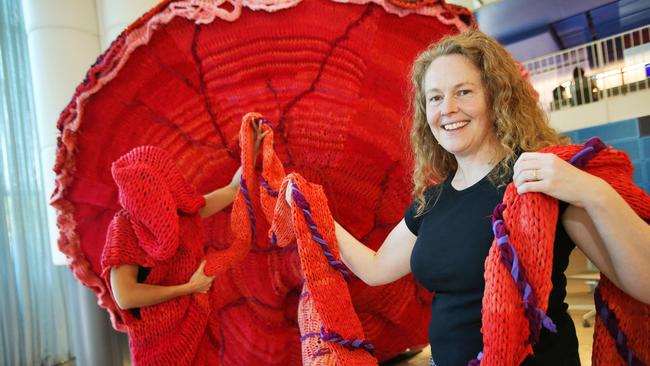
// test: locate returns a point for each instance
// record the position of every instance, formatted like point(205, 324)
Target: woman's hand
point(129, 293)
point(199, 282)
point(288, 192)
point(598, 219)
point(259, 135)
point(547, 173)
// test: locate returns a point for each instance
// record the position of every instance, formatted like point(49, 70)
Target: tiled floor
point(578, 293)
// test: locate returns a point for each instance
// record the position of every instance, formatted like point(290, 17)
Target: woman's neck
point(472, 169)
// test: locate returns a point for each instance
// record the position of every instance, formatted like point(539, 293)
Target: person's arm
point(614, 238)
point(218, 199)
point(598, 219)
point(391, 262)
point(128, 293)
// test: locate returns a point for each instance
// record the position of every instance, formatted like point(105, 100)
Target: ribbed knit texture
point(325, 302)
point(352, 309)
point(531, 219)
point(332, 76)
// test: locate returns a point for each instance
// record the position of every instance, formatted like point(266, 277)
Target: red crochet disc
point(331, 76)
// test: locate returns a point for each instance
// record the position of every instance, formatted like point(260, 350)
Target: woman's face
point(456, 105)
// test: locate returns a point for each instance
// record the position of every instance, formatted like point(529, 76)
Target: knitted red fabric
point(325, 302)
point(390, 326)
point(633, 320)
point(149, 233)
point(332, 76)
point(531, 219)
point(152, 189)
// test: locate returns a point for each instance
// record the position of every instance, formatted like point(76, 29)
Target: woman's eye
point(464, 92)
point(435, 99)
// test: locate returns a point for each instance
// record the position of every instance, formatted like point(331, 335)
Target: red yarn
point(325, 301)
point(391, 326)
point(331, 75)
point(531, 221)
point(149, 233)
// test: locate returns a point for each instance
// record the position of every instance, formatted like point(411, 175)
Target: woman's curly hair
point(519, 122)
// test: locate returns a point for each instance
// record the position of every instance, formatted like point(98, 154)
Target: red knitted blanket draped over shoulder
point(530, 220)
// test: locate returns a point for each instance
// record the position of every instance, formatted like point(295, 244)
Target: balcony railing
point(593, 72)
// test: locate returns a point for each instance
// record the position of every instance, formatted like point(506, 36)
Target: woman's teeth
point(455, 125)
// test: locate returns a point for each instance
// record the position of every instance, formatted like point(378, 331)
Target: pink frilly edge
point(106, 68)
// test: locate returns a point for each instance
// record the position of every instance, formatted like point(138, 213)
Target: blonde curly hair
point(519, 122)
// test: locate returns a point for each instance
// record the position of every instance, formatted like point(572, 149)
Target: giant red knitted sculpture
point(518, 272)
point(331, 74)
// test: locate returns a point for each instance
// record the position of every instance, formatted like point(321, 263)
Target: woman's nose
point(448, 106)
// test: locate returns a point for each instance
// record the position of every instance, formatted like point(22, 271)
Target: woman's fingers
point(201, 266)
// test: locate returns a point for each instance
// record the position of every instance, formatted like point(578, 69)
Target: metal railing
point(594, 71)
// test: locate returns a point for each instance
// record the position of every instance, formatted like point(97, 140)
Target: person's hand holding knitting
point(598, 219)
point(549, 174)
point(259, 135)
point(217, 200)
point(199, 282)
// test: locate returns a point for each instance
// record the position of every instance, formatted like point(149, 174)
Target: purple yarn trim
point(476, 361)
point(592, 147)
point(264, 120)
point(266, 185)
point(302, 203)
point(249, 204)
point(354, 344)
point(611, 323)
point(535, 315)
point(509, 257)
point(309, 335)
point(274, 239)
point(321, 352)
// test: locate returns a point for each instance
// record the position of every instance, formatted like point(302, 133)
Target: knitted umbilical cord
point(611, 323)
point(621, 329)
point(331, 332)
point(509, 258)
point(625, 340)
point(519, 266)
point(535, 315)
point(329, 322)
point(623, 325)
point(243, 222)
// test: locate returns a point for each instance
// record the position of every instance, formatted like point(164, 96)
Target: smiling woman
point(478, 132)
